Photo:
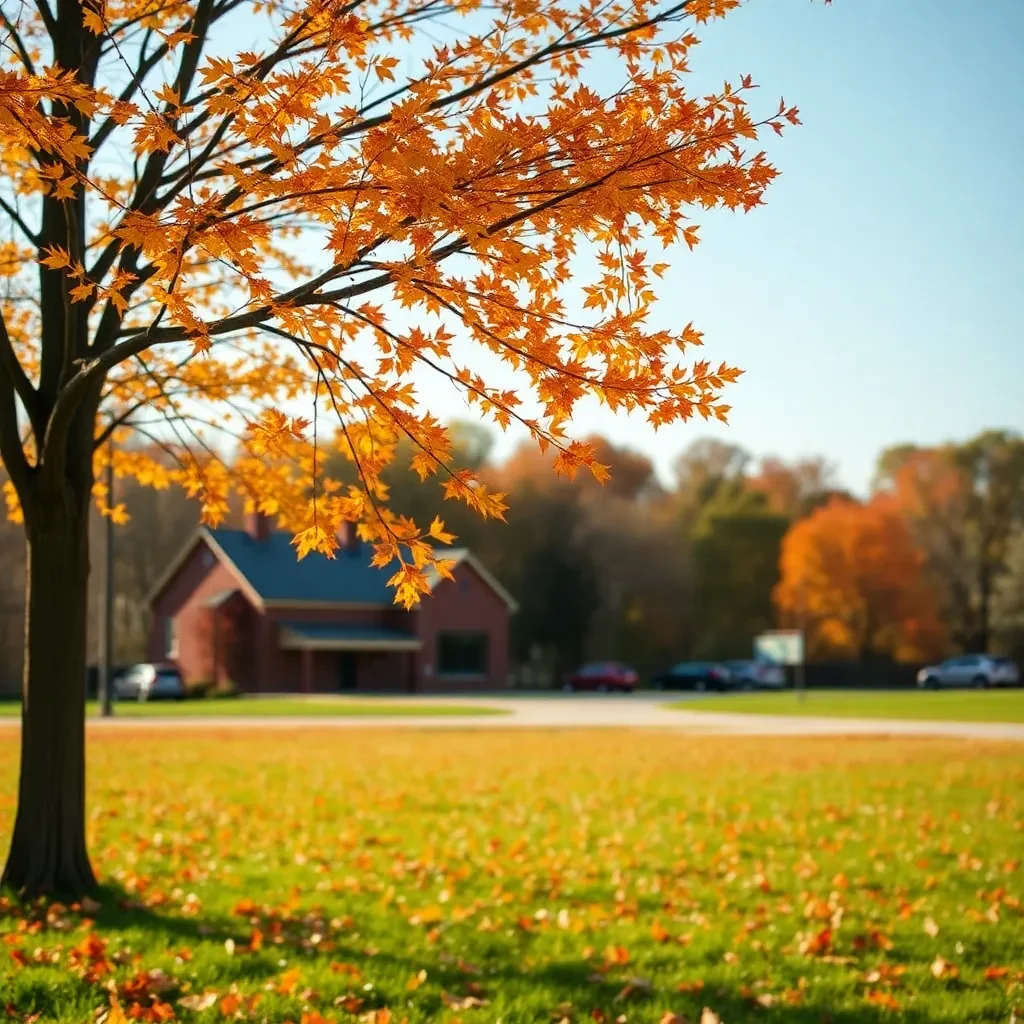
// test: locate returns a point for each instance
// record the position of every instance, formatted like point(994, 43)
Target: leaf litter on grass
point(619, 877)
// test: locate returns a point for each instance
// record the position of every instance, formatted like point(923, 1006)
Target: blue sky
point(878, 297)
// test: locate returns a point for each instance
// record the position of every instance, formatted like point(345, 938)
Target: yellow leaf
point(115, 1015)
point(55, 257)
point(437, 531)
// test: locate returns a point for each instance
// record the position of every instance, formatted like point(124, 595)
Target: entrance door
point(347, 670)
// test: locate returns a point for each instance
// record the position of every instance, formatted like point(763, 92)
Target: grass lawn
point(949, 705)
point(279, 707)
point(384, 877)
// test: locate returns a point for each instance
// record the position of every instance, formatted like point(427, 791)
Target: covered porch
point(336, 658)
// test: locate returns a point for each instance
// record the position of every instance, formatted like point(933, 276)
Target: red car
point(603, 676)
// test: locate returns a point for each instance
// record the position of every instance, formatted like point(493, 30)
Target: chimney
point(257, 525)
point(347, 539)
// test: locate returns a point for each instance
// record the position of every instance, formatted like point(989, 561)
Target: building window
point(462, 654)
point(170, 638)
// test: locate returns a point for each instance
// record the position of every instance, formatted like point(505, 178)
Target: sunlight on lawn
point(525, 876)
point(951, 705)
point(284, 707)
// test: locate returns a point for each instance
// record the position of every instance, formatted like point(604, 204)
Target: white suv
point(970, 670)
point(150, 682)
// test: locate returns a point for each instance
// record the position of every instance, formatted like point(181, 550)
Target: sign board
point(780, 647)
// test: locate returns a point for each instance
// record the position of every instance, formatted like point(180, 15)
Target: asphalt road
point(637, 711)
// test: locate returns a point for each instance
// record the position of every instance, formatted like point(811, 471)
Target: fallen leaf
point(462, 1002)
point(198, 1002)
point(995, 973)
point(673, 1018)
point(288, 982)
point(942, 968)
point(659, 933)
point(229, 1004)
point(115, 1015)
point(708, 1016)
point(617, 955)
point(930, 927)
point(635, 986)
point(883, 999)
point(816, 943)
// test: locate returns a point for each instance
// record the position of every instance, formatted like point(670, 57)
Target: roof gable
point(270, 573)
point(463, 556)
point(272, 569)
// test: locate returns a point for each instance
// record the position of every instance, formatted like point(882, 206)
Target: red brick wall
point(376, 671)
point(466, 603)
point(185, 599)
point(282, 670)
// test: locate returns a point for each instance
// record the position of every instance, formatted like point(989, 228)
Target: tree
point(964, 503)
point(408, 494)
point(794, 489)
point(202, 237)
point(607, 578)
point(852, 575)
point(735, 545)
point(1008, 605)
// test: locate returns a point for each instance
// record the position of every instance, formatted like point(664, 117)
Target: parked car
point(970, 670)
point(694, 675)
point(756, 674)
point(604, 676)
point(150, 682)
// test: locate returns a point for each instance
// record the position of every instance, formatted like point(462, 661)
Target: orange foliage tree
point(964, 503)
point(853, 576)
point(197, 235)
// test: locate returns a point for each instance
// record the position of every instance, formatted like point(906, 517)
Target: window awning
point(320, 636)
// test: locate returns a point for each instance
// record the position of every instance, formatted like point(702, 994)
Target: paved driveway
point(638, 711)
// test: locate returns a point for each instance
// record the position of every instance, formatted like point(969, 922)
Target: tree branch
point(16, 217)
point(11, 449)
point(20, 382)
point(26, 60)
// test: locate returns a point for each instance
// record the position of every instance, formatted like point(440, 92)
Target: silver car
point(970, 670)
point(150, 682)
point(756, 674)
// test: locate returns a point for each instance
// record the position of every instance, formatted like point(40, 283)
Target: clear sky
point(878, 297)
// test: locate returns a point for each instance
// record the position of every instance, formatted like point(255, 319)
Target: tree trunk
point(48, 850)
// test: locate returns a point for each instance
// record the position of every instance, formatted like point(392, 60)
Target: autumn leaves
point(509, 876)
point(320, 218)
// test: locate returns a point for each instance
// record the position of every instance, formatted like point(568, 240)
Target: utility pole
point(106, 666)
point(798, 681)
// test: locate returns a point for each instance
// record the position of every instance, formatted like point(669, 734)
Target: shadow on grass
point(503, 969)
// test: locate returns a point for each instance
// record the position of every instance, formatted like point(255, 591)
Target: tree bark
point(48, 849)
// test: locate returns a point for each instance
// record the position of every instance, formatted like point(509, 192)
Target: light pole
point(107, 646)
point(799, 682)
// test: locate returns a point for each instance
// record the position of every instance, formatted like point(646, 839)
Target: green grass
point(532, 877)
point(283, 707)
point(948, 705)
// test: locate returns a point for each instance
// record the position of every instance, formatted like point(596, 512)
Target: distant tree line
point(651, 572)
